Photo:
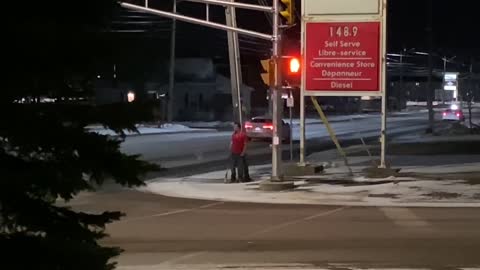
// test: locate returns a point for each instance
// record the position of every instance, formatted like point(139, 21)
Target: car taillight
point(458, 115)
point(268, 127)
point(444, 114)
point(248, 125)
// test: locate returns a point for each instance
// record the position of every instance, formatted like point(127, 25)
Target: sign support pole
point(302, 98)
point(290, 107)
point(302, 125)
point(383, 139)
point(332, 134)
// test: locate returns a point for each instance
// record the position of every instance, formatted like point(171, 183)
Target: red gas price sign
point(342, 57)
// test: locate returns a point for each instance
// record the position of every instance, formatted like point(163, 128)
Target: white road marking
point(178, 259)
point(404, 217)
point(170, 213)
point(293, 222)
point(182, 257)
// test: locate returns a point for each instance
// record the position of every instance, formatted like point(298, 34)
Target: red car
point(262, 128)
point(453, 115)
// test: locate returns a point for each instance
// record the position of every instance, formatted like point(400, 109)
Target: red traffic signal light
point(294, 65)
point(292, 69)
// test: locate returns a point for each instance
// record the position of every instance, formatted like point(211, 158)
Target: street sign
point(450, 82)
point(344, 54)
point(342, 57)
point(290, 102)
point(343, 47)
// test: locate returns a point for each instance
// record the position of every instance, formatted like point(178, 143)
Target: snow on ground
point(331, 188)
point(143, 130)
point(419, 138)
point(403, 193)
point(444, 169)
point(203, 124)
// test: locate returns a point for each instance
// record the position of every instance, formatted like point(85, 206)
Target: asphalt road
point(169, 233)
point(188, 153)
point(185, 150)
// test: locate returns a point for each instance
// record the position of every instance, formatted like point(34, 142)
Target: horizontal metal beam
point(235, 4)
point(198, 21)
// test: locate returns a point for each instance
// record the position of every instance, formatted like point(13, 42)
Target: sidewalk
point(428, 180)
point(442, 185)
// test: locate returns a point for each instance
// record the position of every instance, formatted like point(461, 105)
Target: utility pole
point(430, 90)
point(402, 71)
point(171, 74)
point(235, 67)
point(277, 97)
point(470, 96)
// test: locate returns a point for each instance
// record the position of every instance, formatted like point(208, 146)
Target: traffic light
point(294, 65)
point(292, 73)
point(289, 11)
point(268, 76)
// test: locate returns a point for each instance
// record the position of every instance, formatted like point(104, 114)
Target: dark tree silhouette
point(46, 153)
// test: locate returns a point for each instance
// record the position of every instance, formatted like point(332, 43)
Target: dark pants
point(240, 163)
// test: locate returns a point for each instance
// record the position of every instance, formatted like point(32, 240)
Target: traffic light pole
point(276, 41)
point(302, 126)
point(277, 97)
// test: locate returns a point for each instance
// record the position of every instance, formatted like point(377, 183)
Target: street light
point(447, 60)
point(130, 97)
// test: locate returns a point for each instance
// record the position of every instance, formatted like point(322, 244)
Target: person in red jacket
point(238, 148)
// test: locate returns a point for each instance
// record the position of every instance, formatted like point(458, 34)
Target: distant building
point(111, 91)
point(200, 92)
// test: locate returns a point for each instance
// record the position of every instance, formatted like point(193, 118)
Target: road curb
point(249, 200)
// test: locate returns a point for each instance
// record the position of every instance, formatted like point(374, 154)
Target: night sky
point(454, 27)
point(453, 22)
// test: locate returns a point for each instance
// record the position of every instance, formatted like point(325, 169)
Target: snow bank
point(143, 130)
point(407, 193)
